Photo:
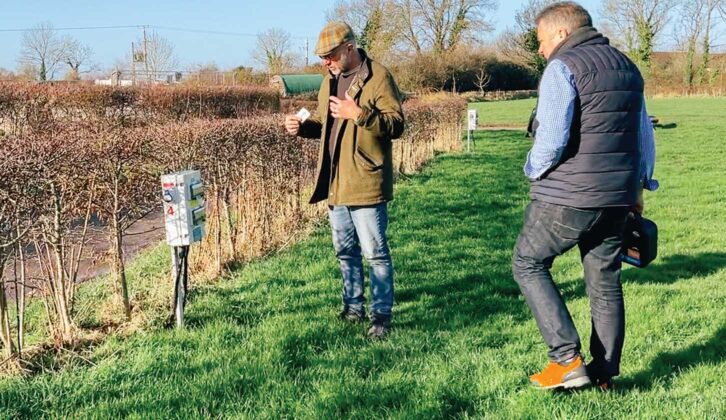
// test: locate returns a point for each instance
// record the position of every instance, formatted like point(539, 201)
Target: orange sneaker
point(570, 374)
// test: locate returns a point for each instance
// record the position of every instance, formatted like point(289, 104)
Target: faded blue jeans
point(356, 229)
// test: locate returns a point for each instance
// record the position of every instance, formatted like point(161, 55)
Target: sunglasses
point(333, 55)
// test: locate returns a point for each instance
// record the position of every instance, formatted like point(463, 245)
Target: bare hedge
point(70, 155)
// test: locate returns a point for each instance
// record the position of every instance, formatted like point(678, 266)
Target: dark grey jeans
point(549, 231)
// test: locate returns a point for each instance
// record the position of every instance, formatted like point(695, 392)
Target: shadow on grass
point(458, 273)
point(667, 365)
point(665, 126)
point(677, 267)
point(247, 305)
point(440, 285)
point(668, 271)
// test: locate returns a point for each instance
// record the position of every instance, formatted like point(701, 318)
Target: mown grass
point(265, 343)
point(513, 113)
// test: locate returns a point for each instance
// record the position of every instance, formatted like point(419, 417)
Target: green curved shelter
point(297, 84)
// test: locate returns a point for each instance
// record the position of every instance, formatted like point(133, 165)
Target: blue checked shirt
point(555, 108)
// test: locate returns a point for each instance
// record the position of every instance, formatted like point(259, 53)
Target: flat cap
point(333, 35)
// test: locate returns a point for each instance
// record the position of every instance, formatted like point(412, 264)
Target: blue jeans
point(549, 231)
point(356, 229)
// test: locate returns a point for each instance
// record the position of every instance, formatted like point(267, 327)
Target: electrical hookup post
point(184, 213)
point(472, 121)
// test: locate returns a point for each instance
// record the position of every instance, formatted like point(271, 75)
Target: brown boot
point(351, 316)
point(380, 327)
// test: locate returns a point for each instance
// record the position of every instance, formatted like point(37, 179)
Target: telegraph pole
point(133, 65)
point(307, 53)
point(146, 56)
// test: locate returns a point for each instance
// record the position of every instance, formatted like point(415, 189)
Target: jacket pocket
point(367, 160)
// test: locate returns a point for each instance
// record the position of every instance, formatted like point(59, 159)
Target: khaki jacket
point(361, 172)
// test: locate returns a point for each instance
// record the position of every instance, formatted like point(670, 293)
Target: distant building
point(117, 79)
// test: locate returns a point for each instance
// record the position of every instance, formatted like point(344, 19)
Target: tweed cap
point(333, 35)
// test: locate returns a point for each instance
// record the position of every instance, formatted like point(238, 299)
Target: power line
point(205, 31)
point(160, 27)
point(78, 28)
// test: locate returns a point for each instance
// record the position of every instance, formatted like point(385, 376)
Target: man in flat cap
point(358, 115)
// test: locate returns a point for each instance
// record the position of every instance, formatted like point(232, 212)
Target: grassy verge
point(266, 344)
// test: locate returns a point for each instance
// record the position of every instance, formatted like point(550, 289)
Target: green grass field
point(265, 342)
point(504, 113)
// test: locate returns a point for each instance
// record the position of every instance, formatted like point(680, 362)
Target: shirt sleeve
point(646, 143)
point(555, 108)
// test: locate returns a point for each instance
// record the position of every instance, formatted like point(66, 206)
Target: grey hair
point(565, 14)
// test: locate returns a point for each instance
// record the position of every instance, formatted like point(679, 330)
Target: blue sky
point(300, 18)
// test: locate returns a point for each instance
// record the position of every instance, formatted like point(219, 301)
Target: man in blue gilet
point(593, 154)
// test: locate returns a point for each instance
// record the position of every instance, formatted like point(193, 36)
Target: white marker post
point(472, 122)
point(184, 212)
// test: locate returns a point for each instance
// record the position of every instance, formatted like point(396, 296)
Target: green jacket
point(361, 172)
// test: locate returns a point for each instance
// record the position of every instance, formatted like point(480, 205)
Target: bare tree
point(409, 27)
point(17, 216)
point(156, 53)
point(42, 50)
point(374, 23)
point(7, 246)
point(125, 190)
point(273, 51)
point(482, 79)
point(6, 74)
point(712, 7)
point(440, 26)
point(520, 44)
point(635, 24)
point(75, 55)
point(696, 24)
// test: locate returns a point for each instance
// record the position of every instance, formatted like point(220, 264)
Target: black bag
point(640, 241)
point(531, 129)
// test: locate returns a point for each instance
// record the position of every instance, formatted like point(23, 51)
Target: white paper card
point(303, 114)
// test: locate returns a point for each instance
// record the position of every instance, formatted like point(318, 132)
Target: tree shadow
point(673, 268)
point(457, 273)
point(667, 270)
point(247, 305)
point(668, 364)
point(482, 218)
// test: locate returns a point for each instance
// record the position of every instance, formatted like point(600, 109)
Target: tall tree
point(635, 25)
point(440, 26)
point(74, 54)
point(711, 8)
point(273, 51)
point(42, 50)
point(374, 23)
point(697, 20)
point(156, 53)
point(690, 28)
point(521, 45)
